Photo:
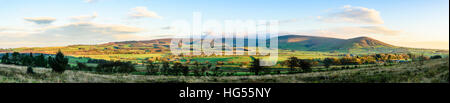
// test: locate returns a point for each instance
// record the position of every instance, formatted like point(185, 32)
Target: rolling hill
point(311, 43)
point(362, 45)
point(434, 71)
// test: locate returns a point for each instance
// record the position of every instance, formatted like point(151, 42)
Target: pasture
point(432, 71)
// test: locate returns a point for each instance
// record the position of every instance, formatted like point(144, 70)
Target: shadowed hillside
point(311, 43)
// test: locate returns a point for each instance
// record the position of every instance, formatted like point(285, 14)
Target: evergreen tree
point(5, 59)
point(15, 58)
point(40, 61)
point(27, 60)
point(31, 55)
point(59, 63)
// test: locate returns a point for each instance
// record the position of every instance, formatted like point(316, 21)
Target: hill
point(311, 43)
point(360, 45)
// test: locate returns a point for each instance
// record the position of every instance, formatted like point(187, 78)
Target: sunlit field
point(432, 71)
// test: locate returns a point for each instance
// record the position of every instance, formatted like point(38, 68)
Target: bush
point(175, 70)
point(328, 62)
point(305, 65)
point(83, 66)
point(197, 69)
point(151, 68)
point(292, 63)
point(116, 67)
point(185, 70)
point(217, 71)
point(165, 68)
point(256, 67)
point(436, 57)
point(197, 72)
point(30, 70)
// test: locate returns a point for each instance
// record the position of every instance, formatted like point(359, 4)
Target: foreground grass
point(433, 71)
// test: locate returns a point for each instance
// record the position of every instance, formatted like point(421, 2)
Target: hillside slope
point(287, 42)
point(311, 43)
point(434, 71)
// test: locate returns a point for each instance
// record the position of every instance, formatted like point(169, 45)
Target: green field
point(137, 54)
point(432, 71)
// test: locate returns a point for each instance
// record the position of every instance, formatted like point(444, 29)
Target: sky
point(43, 23)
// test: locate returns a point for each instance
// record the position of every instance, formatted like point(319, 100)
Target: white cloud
point(70, 34)
point(142, 12)
point(367, 30)
point(14, 32)
point(425, 44)
point(350, 32)
point(91, 1)
point(288, 21)
point(40, 20)
point(358, 15)
point(3, 29)
point(91, 29)
point(84, 18)
point(168, 28)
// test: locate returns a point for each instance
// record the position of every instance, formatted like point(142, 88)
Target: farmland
point(301, 59)
point(432, 71)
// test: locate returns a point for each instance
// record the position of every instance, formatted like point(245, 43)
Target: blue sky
point(411, 23)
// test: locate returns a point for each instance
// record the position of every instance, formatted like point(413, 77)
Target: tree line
point(198, 69)
point(304, 65)
point(58, 63)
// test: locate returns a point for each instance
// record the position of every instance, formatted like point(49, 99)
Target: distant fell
point(361, 45)
point(313, 43)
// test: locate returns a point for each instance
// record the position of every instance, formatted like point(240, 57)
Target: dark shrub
point(256, 67)
point(305, 65)
point(436, 57)
point(116, 67)
point(82, 66)
point(30, 70)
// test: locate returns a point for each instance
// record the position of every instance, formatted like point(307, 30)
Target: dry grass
point(434, 71)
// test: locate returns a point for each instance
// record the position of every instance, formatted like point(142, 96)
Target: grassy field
point(433, 71)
